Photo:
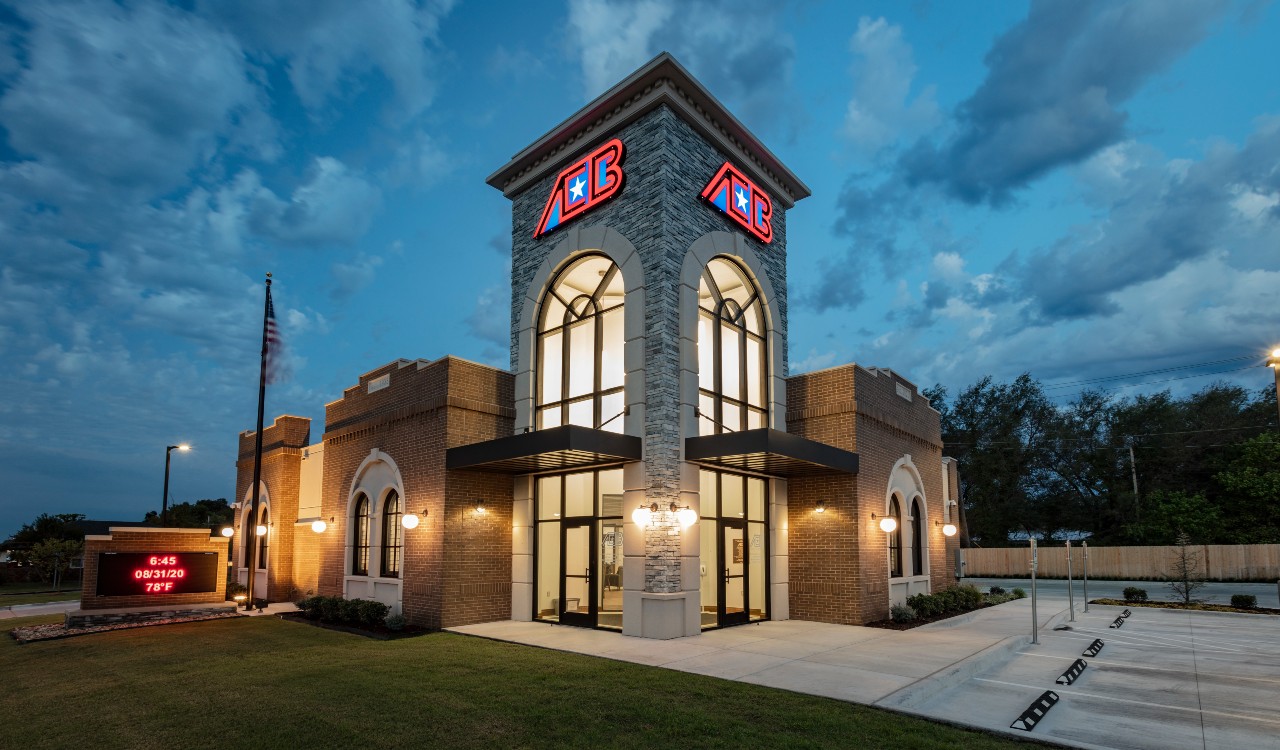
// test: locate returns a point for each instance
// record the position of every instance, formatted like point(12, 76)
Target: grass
point(264, 683)
point(37, 593)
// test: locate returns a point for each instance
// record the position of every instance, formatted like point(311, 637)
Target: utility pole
point(1133, 467)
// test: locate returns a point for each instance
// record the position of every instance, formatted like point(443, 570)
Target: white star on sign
point(575, 190)
point(742, 199)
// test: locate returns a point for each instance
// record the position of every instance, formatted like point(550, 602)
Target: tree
point(52, 558)
point(1251, 497)
point(59, 527)
point(1184, 570)
point(1170, 513)
point(200, 514)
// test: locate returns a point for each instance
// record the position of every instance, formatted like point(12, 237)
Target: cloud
point(418, 162)
point(351, 277)
point(1053, 92)
point(883, 69)
point(333, 207)
point(746, 64)
point(490, 320)
point(331, 48)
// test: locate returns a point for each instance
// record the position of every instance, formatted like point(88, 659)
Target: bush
point(996, 591)
point(235, 589)
point(1244, 601)
point(327, 608)
point(899, 613)
point(371, 613)
point(1018, 593)
point(1134, 594)
point(925, 605)
point(349, 610)
point(396, 623)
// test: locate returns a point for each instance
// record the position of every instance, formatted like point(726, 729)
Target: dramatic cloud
point(882, 111)
point(1054, 91)
point(333, 207)
point(746, 64)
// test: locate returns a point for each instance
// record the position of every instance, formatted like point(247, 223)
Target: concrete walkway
point(1165, 680)
point(30, 610)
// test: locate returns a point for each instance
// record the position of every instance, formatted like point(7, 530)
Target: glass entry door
point(577, 594)
point(735, 564)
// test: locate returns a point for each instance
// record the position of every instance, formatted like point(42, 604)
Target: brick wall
point(839, 558)
point(150, 540)
point(282, 444)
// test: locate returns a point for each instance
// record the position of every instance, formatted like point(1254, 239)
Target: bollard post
point(1085, 546)
point(1071, 588)
point(1035, 622)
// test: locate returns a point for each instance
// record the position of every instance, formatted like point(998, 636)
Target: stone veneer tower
point(661, 234)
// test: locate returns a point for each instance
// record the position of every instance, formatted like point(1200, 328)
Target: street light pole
point(1274, 364)
point(164, 504)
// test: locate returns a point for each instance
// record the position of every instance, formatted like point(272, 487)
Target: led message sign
point(582, 186)
point(156, 573)
point(739, 199)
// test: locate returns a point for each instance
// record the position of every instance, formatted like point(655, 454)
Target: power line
point(1105, 378)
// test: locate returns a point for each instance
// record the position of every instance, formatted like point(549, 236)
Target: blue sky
point(1073, 189)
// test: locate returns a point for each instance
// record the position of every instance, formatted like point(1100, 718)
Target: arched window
point(580, 345)
point(732, 367)
point(917, 538)
point(392, 536)
point(360, 537)
point(895, 539)
point(263, 520)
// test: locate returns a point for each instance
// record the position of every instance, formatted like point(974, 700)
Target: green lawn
point(35, 593)
point(260, 682)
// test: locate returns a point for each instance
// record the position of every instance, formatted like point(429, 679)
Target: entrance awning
point(771, 452)
point(558, 448)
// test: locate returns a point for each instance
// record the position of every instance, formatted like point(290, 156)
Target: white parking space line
point(1081, 694)
point(1096, 662)
point(1176, 641)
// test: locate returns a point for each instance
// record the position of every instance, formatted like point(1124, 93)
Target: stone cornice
point(661, 81)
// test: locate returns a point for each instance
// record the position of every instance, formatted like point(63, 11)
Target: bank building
point(647, 464)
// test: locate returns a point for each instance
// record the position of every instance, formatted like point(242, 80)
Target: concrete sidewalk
point(30, 610)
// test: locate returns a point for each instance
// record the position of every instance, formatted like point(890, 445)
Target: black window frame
point(361, 520)
point(392, 536)
point(895, 538)
point(728, 310)
point(917, 538)
point(263, 519)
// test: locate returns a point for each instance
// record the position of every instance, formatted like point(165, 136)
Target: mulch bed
point(54, 631)
point(380, 633)
point(891, 625)
point(1190, 607)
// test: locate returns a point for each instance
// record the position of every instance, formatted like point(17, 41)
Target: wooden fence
point(1218, 562)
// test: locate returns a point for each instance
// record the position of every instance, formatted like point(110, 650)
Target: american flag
point(275, 349)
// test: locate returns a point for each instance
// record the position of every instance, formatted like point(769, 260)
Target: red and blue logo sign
point(582, 186)
point(739, 198)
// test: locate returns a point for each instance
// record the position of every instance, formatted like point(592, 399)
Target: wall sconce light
point(644, 514)
point(261, 530)
point(686, 516)
point(480, 506)
point(319, 525)
point(887, 523)
point(228, 532)
point(820, 506)
point(948, 529)
point(410, 520)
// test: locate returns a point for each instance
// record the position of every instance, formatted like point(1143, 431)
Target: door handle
point(726, 575)
point(587, 575)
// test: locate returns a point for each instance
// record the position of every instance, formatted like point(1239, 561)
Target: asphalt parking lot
point(1166, 679)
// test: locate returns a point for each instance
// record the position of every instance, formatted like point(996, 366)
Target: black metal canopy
point(557, 448)
point(771, 452)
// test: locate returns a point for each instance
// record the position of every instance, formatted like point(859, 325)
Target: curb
point(952, 675)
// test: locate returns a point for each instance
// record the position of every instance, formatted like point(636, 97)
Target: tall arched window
point(895, 539)
point(732, 366)
point(360, 537)
point(392, 536)
point(917, 538)
point(263, 520)
point(580, 346)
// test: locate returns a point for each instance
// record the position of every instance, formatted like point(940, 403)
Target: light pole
point(1274, 363)
point(164, 504)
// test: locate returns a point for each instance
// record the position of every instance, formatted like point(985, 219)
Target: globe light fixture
point(644, 514)
point(228, 532)
point(948, 529)
point(319, 525)
point(410, 520)
point(261, 530)
point(686, 516)
point(887, 523)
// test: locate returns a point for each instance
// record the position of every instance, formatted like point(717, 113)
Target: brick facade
point(283, 441)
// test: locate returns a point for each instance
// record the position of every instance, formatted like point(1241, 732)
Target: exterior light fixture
point(644, 514)
point(887, 523)
point(410, 520)
point(686, 516)
point(262, 530)
point(948, 529)
point(820, 506)
point(319, 525)
point(227, 531)
point(480, 506)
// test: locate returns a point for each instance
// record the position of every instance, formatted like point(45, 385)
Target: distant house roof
point(90, 527)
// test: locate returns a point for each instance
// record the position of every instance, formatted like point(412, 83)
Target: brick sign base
point(163, 552)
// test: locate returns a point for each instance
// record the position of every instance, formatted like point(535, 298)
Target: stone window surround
point(906, 495)
point(377, 490)
point(247, 527)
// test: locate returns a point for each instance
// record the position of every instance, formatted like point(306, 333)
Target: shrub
point(303, 604)
point(395, 623)
point(1018, 593)
point(349, 610)
point(996, 591)
point(235, 589)
point(327, 608)
point(1134, 594)
point(897, 613)
point(371, 613)
point(970, 596)
point(1244, 601)
point(925, 605)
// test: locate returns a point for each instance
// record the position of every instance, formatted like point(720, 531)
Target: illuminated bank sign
point(157, 573)
point(582, 186)
point(739, 198)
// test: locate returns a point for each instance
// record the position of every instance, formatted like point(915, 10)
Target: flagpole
point(257, 453)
